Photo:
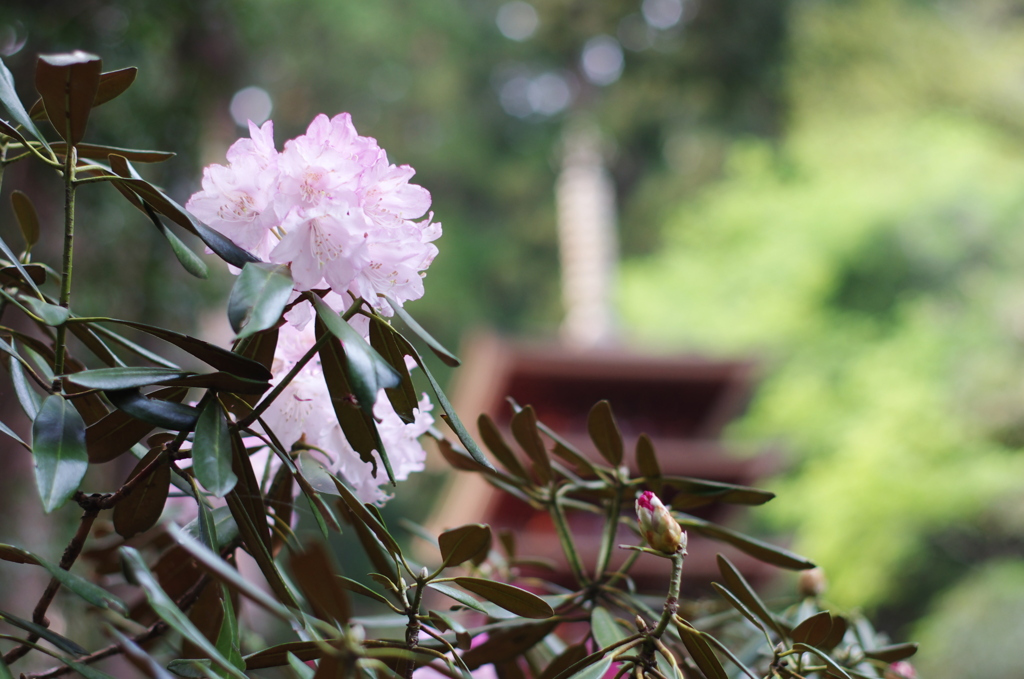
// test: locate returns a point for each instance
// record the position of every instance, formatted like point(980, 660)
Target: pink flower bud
point(661, 531)
point(900, 670)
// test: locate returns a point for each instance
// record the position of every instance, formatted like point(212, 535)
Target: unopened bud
point(900, 670)
point(812, 582)
point(661, 531)
point(641, 625)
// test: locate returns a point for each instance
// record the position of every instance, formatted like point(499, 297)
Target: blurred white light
point(517, 20)
point(635, 33)
point(515, 98)
point(602, 60)
point(548, 94)
point(662, 14)
point(12, 38)
point(251, 103)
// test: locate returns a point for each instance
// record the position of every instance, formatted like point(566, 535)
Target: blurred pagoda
point(682, 402)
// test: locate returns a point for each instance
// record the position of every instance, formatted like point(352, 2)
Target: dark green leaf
point(28, 398)
point(893, 653)
point(10, 276)
point(51, 314)
point(101, 152)
point(227, 638)
point(300, 668)
point(604, 432)
point(118, 431)
point(452, 420)
point(524, 429)
point(735, 602)
point(68, 84)
point(317, 577)
point(359, 426)
point(258, 297)
point(472, 541)
point(768, 553)
point(10, 432)
point(276, 656)
point(144, 662)
point(458, 595)
point(97, 346)
point(569, 657)
point(833, 666)
point(595, 671)
point(166, 414)
point(28, 219)
point(403, 397)
point(729, 654)
point(738, 585)
point(19, 266)
point(606, 631)
point(509, 597)
point(113, 84)
point(368, 519)
point(165, 607)
point(220, 381)
point(9, 98)
point(495, 443)
point(17, 555)
point(124, 378)
point(359, 588)
point(446, 356)
point(58, 446)
point(188, 259)
point(698, 492)
point(141, 508)
point(646, 459)
point(507, 644)
point(814, 630)
point(63, 643)
point(247, 493)
point(701, 652)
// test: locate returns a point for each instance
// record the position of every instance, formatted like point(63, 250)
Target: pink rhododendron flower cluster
point(304, 411)
point(340, 215)
point(330, 205)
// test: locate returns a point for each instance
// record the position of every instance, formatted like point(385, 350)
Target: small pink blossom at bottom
point(900, 670)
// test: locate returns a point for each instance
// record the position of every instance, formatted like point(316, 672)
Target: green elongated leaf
point(594, 671)
point(367, 370)
point(141, 508)
point(445, 622)
point(10, 432)
point(29, 400)
point(698, 492)
point(300, 668)
point(359, 588)
point(369, 520)
point(117, 432)
point(764, 551)
point(730, 655)
point(359, 427)
point(316, 577)
point(160, 413)
point(95, 595)
point(524, 429)
point(276, 656)
point(68, 84)
point(403, 398)
point(258, 297)
point(248, 491)
point(227, 638)
point(5, 671)
point(224, 528)
point(814, 630)
point(58, 446)
point(97, 346)
point(63, 643)
point(472, 541)
point(136, 349)
point(372, 545)
point(701, 653)
point(458, 595)
point(51, 314)
point(124, 378)
point(217, 357)
point(495, 443)
point(509, 597)
point(604, 432)
point(10, 276)
point(188, 259)
point(507, 644)
point(833, 666)
point(452, 418)
point(164, 607)
point(143, 661)
point(11, 102)
point(735, 602)
point(646, 459)
point(738, 585)
point(18, 555)
point(19, 266)
point(447, 357)
point(893, 653)
point(28, 218)
point(102, 152)
point(603, 626)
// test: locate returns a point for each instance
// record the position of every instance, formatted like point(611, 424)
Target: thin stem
point(565, 537)
point(71, 553)
point(65, 275)
point(672, 600)
point(610, 529)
